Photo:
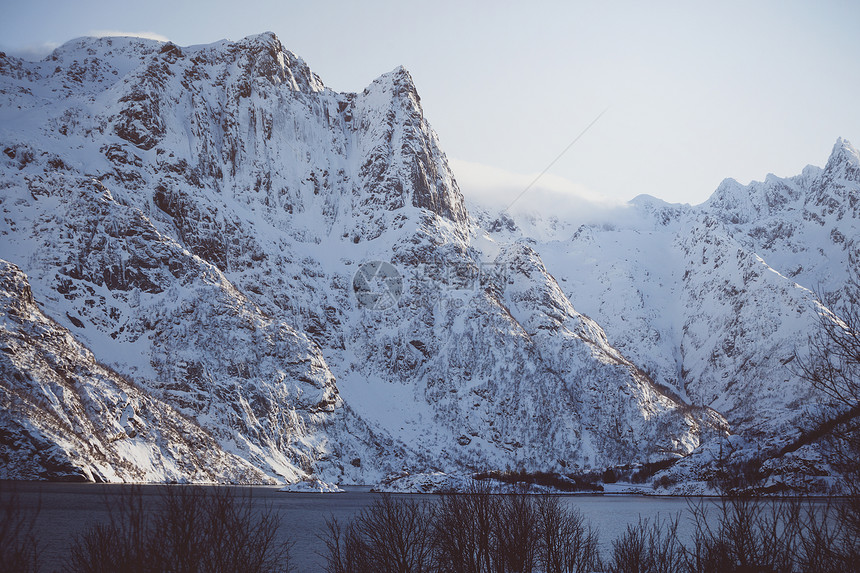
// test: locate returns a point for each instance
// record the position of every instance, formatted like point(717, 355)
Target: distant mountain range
point(218, 269)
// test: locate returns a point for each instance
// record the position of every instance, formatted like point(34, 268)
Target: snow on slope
point(67, 417)
point(196, 215)
point(805, 227)
point(713, 301)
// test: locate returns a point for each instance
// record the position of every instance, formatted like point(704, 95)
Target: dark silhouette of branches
point(750, 535)
point(472, 532)
point(194, 530)
point(464, 530)
point(390, 536)
point(832, 366)
point(567, 544)
point(833, 362)
point(20, 550)
point(515, 530)
point(482, 532)
point(649, 547)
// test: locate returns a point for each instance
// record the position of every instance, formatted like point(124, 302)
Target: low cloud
point(496, 189)
point(145, 35)
point(36, 52)
point(32, 52)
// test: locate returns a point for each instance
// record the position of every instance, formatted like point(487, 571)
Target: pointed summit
point(844, 152)
point(844, 162)
point(398, 82)
point(266, 57)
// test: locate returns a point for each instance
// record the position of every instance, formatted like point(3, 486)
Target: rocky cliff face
point(714, 300)
point(68, 417)
point(196, 221)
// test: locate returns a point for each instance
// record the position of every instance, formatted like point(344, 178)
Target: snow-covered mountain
point(713, 301)
point(197, 234)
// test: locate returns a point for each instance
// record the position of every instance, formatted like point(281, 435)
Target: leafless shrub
point(473, 532)
point(750, 535)
point(649, 547)
point(194, 529)
point(515, 528)
point(831, 365)
point(345, 549)
point(484, 532)
point(826, 541)
point(20, 550)
point(389, 536)
point(567, 544)
point(103, 549)
point(464, 530)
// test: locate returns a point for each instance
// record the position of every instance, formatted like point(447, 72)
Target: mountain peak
point(844, 161)
point(399, 81)
point(647, 200)
point(398, 75)
point(104, 45)
point(262, 38)
point(268, 57)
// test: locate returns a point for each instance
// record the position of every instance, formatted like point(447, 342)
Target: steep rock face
point(618, 407)
point(138, 276)
point(805, 227)
point(196, 216)
point(742, 325)
point(496, 369)
point(713, 301)
point(65, 416)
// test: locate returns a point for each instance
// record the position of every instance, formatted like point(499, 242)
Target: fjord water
point(66, 509)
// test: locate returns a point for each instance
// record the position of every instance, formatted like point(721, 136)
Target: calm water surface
point(68, 509)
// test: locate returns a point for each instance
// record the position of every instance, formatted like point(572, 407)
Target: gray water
point(65, 510)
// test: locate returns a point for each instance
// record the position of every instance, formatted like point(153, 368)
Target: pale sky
point(692, 92)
